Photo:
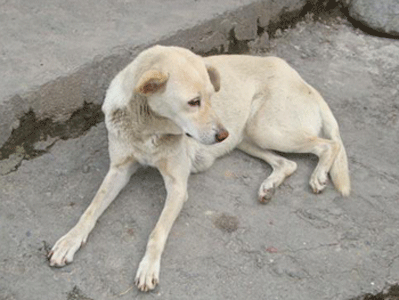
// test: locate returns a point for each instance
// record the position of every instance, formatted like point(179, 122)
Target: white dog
point(178, 112)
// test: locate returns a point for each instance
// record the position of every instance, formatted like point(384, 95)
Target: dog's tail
point(339, 171)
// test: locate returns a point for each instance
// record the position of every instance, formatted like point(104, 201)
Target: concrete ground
point(225, 245)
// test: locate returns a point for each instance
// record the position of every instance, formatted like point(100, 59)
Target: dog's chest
point(150, 150)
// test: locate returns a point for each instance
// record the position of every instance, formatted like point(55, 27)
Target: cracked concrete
point(299, 246)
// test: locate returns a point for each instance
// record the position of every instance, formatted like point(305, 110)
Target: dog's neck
point(149, 121)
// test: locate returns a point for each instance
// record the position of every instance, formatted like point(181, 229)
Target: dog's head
point(179, 86)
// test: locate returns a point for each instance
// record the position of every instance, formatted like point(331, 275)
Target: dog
point(176, 111)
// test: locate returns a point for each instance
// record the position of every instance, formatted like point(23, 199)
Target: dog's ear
point(151, 82)
point(214, 77)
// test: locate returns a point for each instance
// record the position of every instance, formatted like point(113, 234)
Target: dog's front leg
point(175, 173)
point(117, 177)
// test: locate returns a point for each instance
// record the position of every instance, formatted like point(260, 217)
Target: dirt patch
point(226, 223)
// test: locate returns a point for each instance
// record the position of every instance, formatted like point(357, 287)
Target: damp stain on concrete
point(35, 137)
point(226, 223)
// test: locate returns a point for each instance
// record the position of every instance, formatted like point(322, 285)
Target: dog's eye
point(195, 102)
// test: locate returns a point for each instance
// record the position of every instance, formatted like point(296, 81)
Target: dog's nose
point(221, 135)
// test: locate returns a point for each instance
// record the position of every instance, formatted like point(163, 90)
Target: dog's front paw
point(64, 249)
point(147, 276)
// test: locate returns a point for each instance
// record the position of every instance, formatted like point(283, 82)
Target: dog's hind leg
point(282, 168)
point(175, 172)
point(327, 151)
point(116, 178)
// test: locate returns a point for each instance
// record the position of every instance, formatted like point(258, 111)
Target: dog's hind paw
point(266, 192)
point(318, 182)
point(266, 196)
point(147, 276)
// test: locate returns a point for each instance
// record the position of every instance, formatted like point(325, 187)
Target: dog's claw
point(147, 275)
point(316, 191)
point(264, 199)
point(142, 286)
point(266, 195)
point(64, 249)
